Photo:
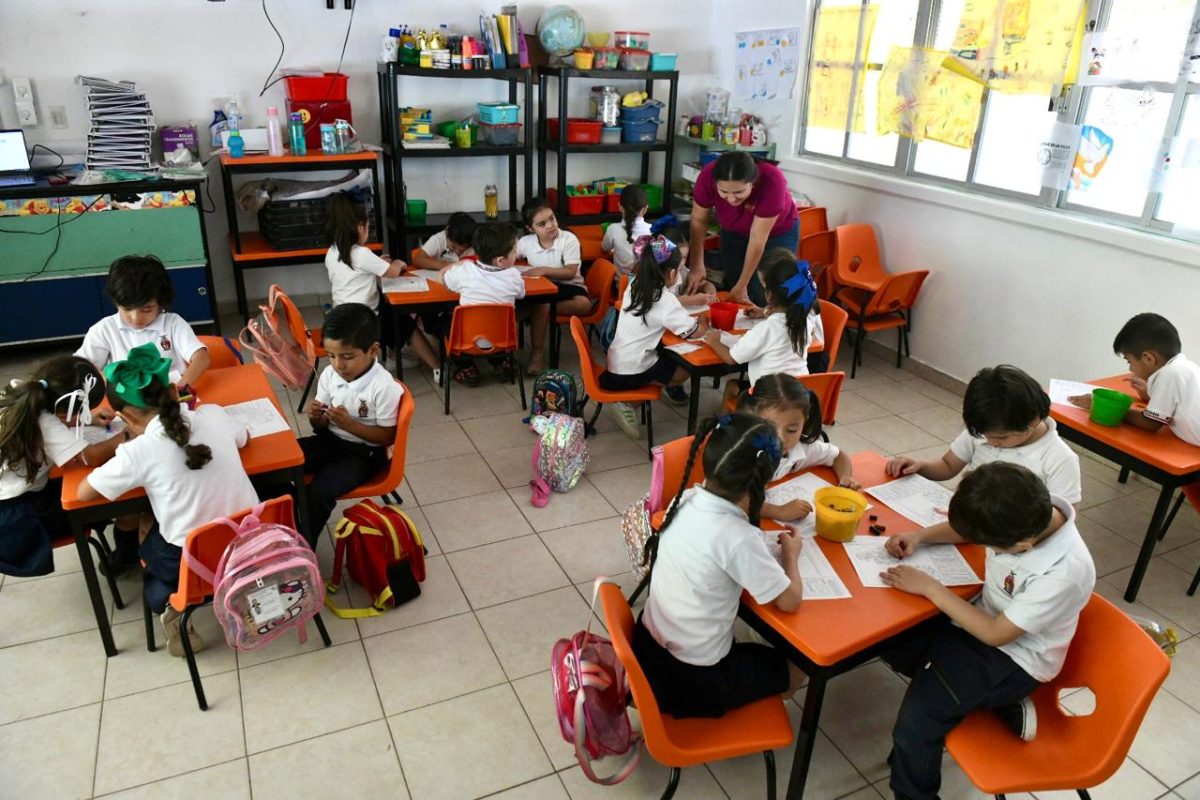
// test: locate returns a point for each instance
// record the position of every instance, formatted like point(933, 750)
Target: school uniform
point(818, 361)
point(477, 283)
point(111, 339)
point(438, 246)
point(616, 241)
point(766, 349)
point(1175, 398)
point(562, 251)
point(181, 498)
point(31, 513)
point(339, 460)
point(1041, 591)
point(684, 638)
point(806, 456)
point(358, 281)
point(1048, 457)
point(633, 357)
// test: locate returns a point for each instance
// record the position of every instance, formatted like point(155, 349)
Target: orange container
point(722, 315)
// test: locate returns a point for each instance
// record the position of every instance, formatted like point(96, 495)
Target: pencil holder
point(838, 512)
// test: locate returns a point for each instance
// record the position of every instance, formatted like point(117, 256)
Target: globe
point(560, 30)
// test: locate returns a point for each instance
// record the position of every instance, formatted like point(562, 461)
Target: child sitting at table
point(188, 463)
point(707, 292)
point(452, 243)
point(1038, 576)
point(36, 417)
point(795, 412)
point(647, 310)
point(491, 279)
point(550, 253)
point(619, 237)
point(708, 551)
point(141, 289)
point(1007, 416)
point(778, 344)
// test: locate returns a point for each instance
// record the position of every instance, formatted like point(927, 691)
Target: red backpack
point(382, 550)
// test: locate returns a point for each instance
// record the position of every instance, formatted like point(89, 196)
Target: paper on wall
point(766, 63)
point(916, 498)
point(1056, 155)
point(941, 561)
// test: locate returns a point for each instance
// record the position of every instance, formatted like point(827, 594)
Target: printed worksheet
point(941, 561)
point(406, 283)
point(923, 501)
point(259, 416)
point(427, 274)
point(1060, 391)
point(821, 581)
point(94, 434)
point(683, 348)
point(730, 339)
point(745, 323)
point(801, 487)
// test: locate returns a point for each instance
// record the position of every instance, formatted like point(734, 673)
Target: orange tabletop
point(313, 157)
point(224, 387)
point(829, 631)
point(438, 293)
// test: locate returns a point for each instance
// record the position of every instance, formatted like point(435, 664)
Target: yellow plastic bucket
point(838, 512)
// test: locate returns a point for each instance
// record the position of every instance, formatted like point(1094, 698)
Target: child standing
point(353, 416)
point(647, 310)
point(1038, 576)
point(795, 412)
point(706, 292)
point(188, 463)
point(36, 417)
point(141, 289)
point(619, 237)
point(550, 253)
point(709, 550)
point(452, 243)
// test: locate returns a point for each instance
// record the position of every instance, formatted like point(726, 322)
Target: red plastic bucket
point(722, 315)
point(330, 87)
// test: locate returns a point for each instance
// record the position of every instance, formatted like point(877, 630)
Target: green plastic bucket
point(1109, 406)
point(416, 210)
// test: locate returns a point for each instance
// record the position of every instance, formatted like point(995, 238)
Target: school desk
point(275, 455)
point(1162, 457)
point(827, 638)
point(437, 298)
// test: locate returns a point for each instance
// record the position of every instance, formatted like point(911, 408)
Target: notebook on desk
point(15, 169)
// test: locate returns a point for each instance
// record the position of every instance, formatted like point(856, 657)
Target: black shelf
point(606, 74)
point(623, 147)
point(436, 222)
point(392, 68)
point(477, 151)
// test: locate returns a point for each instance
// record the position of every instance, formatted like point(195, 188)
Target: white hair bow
point(82, 396)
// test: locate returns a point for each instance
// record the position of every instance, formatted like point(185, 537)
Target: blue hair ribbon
point(724, 419)
point(766, 443)
point(663, 222)
point(801, 288)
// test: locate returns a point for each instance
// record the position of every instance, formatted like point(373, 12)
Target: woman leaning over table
point(755, 211)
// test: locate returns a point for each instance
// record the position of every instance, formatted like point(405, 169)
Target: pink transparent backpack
point(590, 699)
point(270, 338)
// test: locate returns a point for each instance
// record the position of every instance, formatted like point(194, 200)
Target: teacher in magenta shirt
point(755, 211)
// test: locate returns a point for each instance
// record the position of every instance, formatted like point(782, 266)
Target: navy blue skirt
point(28, 524)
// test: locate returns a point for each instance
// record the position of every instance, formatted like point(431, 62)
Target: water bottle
point(274, 136)
point(296, 134)
point(233, 115)
point(328, 139)
point(341, 135)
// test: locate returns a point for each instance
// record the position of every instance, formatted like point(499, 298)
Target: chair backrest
point(827, 386)
point(412, 257)
point(587, 364)
point(833, 322)
point(496, 322)
point(898, 293)
point(395, 472)
point(296, 324)
point(599, 280)
point(622, 285)
point(857, 255)
point(820, 251)
point(812, 220)
point(675, 454)
point(222, 352)
point(207, 543)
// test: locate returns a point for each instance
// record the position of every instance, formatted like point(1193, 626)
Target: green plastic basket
point(416, 210)
point(1109, 407)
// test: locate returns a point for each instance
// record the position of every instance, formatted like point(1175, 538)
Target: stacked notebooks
point(122, 124)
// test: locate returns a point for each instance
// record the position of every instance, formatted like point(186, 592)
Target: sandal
point(504, 371)
point(467, 374)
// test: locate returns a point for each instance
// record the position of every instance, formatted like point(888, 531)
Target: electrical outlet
point(58, 117)
point(26, 116)
point(22, 90)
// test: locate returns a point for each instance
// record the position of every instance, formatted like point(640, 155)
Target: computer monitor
point(14, 158)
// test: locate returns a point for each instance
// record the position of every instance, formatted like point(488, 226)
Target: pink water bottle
point(274, 135)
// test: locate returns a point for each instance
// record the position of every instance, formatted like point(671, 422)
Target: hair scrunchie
point(660, 247)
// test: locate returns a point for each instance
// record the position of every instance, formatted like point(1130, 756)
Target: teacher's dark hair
point(736, 165)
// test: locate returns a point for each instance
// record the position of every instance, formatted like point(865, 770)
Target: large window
point(1107, 122)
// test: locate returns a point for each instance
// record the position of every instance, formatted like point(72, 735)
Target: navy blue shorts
point(161, 576)
point(568, 290)
point(662, 372)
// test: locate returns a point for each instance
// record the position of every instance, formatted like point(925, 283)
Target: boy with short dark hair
point(452, 243)
point(1038, 576)
point(353, 415)
point(141, 289)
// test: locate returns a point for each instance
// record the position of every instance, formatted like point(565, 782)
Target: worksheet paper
point(406, 283)
point(919, 499)
point(259, 416)
point(802, 487)
point(729, 339)
point(745, 323)
point(821, 581)
point(94, 434)
point(427, 274)
point(1060, 391)
point(941, 561)
point(683, 348)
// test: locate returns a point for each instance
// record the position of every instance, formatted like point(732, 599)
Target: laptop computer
point(15, 169)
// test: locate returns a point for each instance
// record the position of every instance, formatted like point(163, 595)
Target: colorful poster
point(1140, 43)
point(831, 83)
point(1017, 46)
point(921, 99)
point(766, 64)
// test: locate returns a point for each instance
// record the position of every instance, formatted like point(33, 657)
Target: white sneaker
point(627, 419)
point(437, 377)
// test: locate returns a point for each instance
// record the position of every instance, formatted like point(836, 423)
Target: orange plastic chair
point(856, 263)
point(222, 352)
point(812, 220)
point(1120, 664)
point(592, 390)
point(674, 455)
point(890, 307)
point(599, 279)
point(386, 484)
point(833, 323)
point(494, 322)
point(820, 251)
point(758, 727)
point(619, 297)
point(308, 338)
point(828, 388)
point(205, 545)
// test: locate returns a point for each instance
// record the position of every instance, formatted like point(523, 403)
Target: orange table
point(826, 638)
point(276, 454)
point(1162, 457)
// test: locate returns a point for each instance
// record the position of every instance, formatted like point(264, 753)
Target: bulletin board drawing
point(921, 99)
point(766, 64)
point(832, 85)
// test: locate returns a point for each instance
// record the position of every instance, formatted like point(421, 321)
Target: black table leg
point(1147, 551)
point(806, 737)
point(396, 343)
point(297, 477)
point(93, 586)
point(694, 403)
point(552, 333)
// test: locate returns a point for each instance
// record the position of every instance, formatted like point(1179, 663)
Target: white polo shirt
point(438, 246)
point(562, 251)
point(59, 446)
point(816, 331)
point(806, 456)
point(372, 398)
point(633, 346)
point(1175, 398)
point(707, 556)
point(766, 349)
point(1049, 458)
point(1041, 591)
point(616, 241)
point(110, 340)
point(480, 283)
point(358, 283)
point(182, 498)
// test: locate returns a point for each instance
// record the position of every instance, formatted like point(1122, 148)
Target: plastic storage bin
point(499, 113)
point(637, 40)
point(648, 110)
point(610, 135)
point(579, 130)
point(654, 195)
point(578, 204)
point(635, 59)
point(663, 62)
point(639, 132)
point(606, 58)
point(329, 88)
point(300, 224)
point(499, 135)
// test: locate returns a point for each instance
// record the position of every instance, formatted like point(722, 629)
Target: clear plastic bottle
point(491, 202)
point(328, 139)
point(274, 135)
point(296, 134)
point(233, 114)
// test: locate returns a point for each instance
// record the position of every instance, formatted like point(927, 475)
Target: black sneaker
point(1020, 718)
point(676, 394)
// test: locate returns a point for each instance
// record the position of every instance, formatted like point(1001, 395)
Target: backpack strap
point(249, 522)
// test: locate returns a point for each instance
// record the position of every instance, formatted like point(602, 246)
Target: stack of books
point(416, 124)
point(122, 125)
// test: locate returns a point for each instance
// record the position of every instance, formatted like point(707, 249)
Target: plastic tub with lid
point(637, 40)
point(633, 59)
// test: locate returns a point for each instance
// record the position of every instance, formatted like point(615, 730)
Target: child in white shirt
point(550, 253)
point(187, 462)
point(619, 237)
point(451, 244)
point(706, 292)
point(707, 553)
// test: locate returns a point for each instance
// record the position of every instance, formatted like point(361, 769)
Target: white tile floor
point(449, 695)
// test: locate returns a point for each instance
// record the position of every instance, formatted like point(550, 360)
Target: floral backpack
point(635, 520)
point(560, 455)
point(269, 338)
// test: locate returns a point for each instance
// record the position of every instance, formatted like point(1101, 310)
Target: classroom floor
point(449, 696)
